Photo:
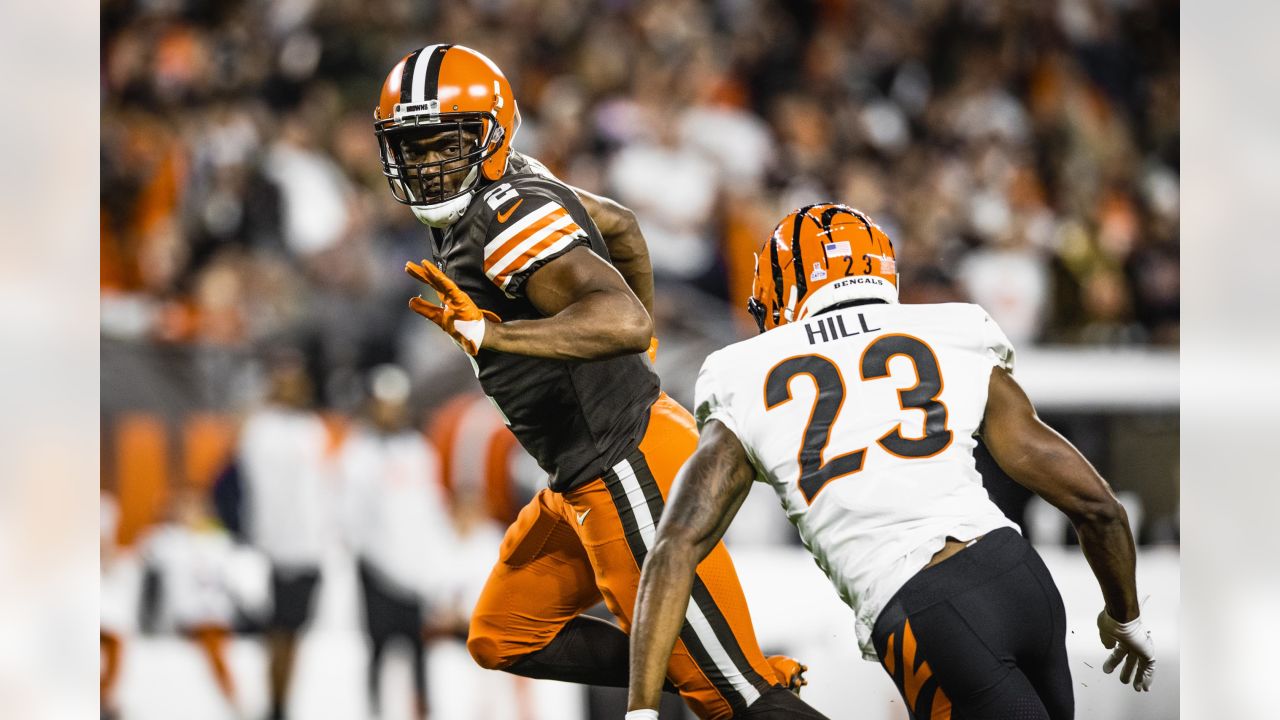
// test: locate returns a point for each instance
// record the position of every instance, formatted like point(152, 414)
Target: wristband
point(1123, 627)
point(472, 330)
point(642, 715)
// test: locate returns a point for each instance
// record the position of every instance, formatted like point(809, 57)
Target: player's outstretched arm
point(627, 248)
point(590, 312)
point(1043, 461)
point(704, 498)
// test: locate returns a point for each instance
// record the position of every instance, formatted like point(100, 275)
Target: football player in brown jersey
point(548, 291)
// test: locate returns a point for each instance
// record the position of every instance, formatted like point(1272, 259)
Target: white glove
point(1132, 644)
point(642, 715)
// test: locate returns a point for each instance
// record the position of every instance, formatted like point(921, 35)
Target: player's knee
point(486, 650)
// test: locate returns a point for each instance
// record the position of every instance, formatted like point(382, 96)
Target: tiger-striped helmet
point(818, 256)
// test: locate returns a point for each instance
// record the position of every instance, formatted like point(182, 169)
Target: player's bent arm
point(704, 498)
point(627, 248)
point(591, 314)
point(1040, 459)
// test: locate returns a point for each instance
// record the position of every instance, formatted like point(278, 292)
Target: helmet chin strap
point(444, 214)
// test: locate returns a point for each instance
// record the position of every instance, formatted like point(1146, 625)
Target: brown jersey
point(577, 419)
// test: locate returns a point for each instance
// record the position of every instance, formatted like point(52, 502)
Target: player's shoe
point(789, 671)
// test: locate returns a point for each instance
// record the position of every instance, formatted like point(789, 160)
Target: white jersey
point(193, 564)
point(393, 506)
point(862, 420)
point(287, 479)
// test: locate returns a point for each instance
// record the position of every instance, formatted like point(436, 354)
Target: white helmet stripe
point(420, 74)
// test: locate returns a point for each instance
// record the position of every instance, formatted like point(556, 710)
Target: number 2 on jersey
point(814, 472)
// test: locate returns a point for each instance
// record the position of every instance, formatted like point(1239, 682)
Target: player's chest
point(461, 257)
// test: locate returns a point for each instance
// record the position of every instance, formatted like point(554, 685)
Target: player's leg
point(212, 640)
point(1048, 668)
point(952, 637)
point(110, 646)
point(292, 593)
point(526, 620)
point(717, 664)
point(374, 614)
point(394, 614)
point(421, 705)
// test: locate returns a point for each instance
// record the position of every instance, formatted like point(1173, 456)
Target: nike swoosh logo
point(502, 217)
point(583, 515)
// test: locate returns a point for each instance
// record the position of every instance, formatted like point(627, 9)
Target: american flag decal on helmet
point(839, 248)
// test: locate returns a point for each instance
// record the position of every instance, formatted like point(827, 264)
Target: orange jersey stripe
point(533, 252)
point(492, 259)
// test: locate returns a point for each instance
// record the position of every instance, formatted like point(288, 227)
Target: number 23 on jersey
point(815, 473)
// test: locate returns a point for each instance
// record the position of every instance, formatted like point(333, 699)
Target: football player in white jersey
point(862, 415)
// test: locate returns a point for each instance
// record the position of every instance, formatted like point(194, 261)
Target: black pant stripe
point(406, 76)
point(431, 89)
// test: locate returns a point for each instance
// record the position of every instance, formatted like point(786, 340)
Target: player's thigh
point(1052, 681)
point(1050, 671)
point(670, 439)
point(1020, 615)
point(709, 664)
point(716, 664)
point(542, 580)
point(945, 668)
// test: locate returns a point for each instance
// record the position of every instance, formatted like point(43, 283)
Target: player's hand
point(1133, 645)
point(459, 316)
point(790, 671)
point(653, 349)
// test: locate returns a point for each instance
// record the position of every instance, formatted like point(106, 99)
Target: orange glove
point(653, 349)
point(789, 671)
point(459, 316)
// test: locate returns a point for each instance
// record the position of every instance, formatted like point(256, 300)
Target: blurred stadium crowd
point(1023, 156)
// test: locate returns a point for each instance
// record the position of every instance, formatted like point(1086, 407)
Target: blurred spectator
point(113, 608)
point(672, 189)
point(190, 557)
point(474, 546)
point(282, 460)
point(480, 459)
point(397, 523)
point(313, 189)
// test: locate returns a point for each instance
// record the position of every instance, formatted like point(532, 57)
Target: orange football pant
point(566, 552)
